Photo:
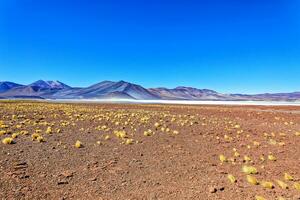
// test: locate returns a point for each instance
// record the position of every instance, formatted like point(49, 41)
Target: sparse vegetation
point(234, 150)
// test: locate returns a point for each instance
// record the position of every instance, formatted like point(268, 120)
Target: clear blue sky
point(245, 46)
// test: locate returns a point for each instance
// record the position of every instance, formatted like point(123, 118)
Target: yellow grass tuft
point(249, 170)
point(282, 184)
point(259, 198)
point(40, 139)
point(129, 141)
point(237, 126)
point(262, 158)
point(147, 133)
point(297, 186)
point(78, 144)
point(247, 159)
point(266, 184)
point(49, 130)
point(7, 140)
point(271, 157)
point(2, 132)
point(288, 177)
point(231, 178)
point(236, 154)
point(121, 134)
point(157, 124)
point(222, 158)
point(34, 136)
point(252, 180)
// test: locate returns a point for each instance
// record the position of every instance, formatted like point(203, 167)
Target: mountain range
point(124, 90)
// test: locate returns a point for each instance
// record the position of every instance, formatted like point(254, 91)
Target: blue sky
point(227, 45)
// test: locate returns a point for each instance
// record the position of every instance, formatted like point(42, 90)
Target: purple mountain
point(6, 85)
point(109, 89)
point(126, 90)
point(50, 84)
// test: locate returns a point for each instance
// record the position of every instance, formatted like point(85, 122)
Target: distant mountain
point(188, 93)
point(125, 90)
point(293, 96)
point(50, 85)
point(6, 85)
point(38, 89)
point(25, 91)
point(107, 89)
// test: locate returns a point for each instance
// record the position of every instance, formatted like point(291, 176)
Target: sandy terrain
point(148, 152)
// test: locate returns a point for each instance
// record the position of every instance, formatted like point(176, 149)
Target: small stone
point(67, 174)
point(93, 179)
point(212, 189)
point(43, 175)
point(21, 163)
point(62, 182)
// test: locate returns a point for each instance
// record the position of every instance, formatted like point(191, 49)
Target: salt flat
point(185, 102)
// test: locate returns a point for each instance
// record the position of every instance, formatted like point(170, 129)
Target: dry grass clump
point(252, 180)
point(148, 133)
point(3, 132)
point(78, 144)
point(231, 178)
point(34, 136)
point(8, 140)
point(14, 135)
point(249, 170)
point(297, 186)
point(121, 134)
point(282, 184)
point(267, 184)
point(40, 139)
point(259, 198)
point(272, 157)
point(49, 130)
point(128, 141)
point(222, 158)
point(288, 177)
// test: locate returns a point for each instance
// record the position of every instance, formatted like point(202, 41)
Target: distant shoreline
point(179, 102)
point(167, 102)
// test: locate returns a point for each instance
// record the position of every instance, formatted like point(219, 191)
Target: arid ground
point(151, 152)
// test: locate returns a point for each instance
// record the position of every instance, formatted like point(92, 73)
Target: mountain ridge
point(7, 85)
point(125, 90)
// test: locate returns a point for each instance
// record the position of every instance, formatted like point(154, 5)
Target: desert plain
point(148, 151)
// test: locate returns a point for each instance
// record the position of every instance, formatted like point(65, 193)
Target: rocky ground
point(117, 151)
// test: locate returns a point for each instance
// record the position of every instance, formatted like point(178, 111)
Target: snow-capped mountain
point(50, 84)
